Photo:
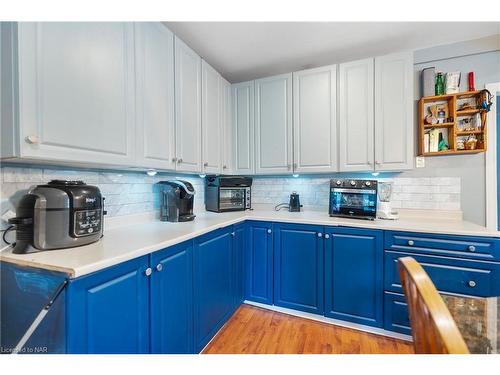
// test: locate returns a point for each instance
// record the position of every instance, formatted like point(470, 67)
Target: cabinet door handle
point(224, 167)
point(472, 283)
point(159, 267)
point(327, 236)
point(174, 160)
point(179, 160)
point(411, 243)
point(472, 248)
point(269, 231)
point(31, 139)
point(289, 166)
point(294, 166)
point(148, 271)
point(233, 234)
point(378, 163)
point(205, 164)
point(320, 235)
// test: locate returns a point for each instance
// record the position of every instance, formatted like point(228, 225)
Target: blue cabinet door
point(213, 284)
point(172, 300)
point(239, 274)
point(298, 267)
point(259, 262)
point(108, 311)
point(354, 275)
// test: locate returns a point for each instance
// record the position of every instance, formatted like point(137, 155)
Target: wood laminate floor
point(252, 330)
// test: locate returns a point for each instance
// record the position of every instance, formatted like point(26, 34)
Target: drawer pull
point(327, 236)
point(472, 248)
point(159, 267)
point(148, 271)
point(472, 283)
point(320, 235)
point(269, 231)
point(411, 243)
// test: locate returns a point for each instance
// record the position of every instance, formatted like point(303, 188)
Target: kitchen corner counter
point(122, 243)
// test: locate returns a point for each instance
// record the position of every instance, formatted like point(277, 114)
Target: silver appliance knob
point(472, 248)
point(148, 271)
point(472, 283)
point(411, 243)
point(159, 267)
point(368, 183)
point(338, 182)
point(353, 183)
point(31, 139)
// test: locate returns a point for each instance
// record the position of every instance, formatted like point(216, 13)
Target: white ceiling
point(243, 51)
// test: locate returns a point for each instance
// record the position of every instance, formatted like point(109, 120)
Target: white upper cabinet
point(155, 95)
point(227, 128)
point(273, 124)
point(356, 128)
point(76, 92)
point(211, 120)
point(394, 133)
point(243, 127)
point(314, 120)
point(187, 108)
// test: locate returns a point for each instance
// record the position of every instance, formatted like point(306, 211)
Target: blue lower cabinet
point(172, 300)
point(108, 311)
point(213, 284)
point(259, 262)
point(298, 267)
point(396, 316)
point(24, 292)
point(354, 275)
point(239, 263)
point(452, 275)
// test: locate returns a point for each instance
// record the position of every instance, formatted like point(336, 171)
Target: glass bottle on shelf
point(439, 88)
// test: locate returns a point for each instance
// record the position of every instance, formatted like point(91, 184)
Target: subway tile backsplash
point(135, 192)
point(125, 192)
point(433, 193)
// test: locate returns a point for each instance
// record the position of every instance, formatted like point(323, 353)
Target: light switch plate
point(419, 162)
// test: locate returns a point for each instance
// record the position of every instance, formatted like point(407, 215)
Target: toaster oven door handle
point(356, 191)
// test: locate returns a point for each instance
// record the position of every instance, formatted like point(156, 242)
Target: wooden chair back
point(433, 328)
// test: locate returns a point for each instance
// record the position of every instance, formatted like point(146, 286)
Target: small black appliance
point(58, 215)
point(228, 193)
point(177, 199)
point(353, 198)
point(293, 205)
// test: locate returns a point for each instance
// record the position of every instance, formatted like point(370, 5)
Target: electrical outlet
point(419, 162)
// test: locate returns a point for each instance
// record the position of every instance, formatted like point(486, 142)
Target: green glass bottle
point(439, 88)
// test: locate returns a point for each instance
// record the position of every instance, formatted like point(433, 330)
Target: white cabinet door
point(243, 127)
point(356, 129)
point(187, 108)
point(211, 119)
point(315, 120)
point(273, 124)
point(155, 96)
point(394, 112)
point(76, 92)
point(227, 131)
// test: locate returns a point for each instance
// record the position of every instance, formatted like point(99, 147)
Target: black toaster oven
point(228, 193)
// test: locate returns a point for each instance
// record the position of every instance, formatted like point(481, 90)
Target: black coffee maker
point(177, 198)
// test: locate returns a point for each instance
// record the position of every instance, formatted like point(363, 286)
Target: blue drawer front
point(451, 275)
point(396, 316)
point(480, 248)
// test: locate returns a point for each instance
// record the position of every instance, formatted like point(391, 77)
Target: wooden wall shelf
point(453, 127)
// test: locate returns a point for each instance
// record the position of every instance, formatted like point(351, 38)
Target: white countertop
point(125, 242)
